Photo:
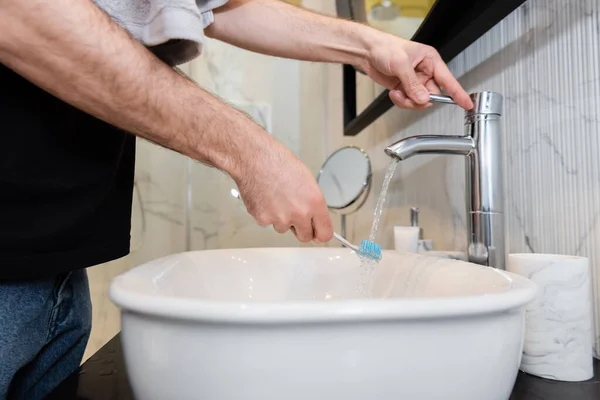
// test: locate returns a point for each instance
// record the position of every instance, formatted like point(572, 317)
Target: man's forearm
point(410, 71)
point(276, 28)
point(73, 50)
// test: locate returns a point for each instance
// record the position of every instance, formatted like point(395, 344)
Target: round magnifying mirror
point(345, 179)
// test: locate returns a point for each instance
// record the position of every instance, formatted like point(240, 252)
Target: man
point(76, 88)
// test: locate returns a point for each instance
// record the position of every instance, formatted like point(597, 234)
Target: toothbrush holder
point(558, 326)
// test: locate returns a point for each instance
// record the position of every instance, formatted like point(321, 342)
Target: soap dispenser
point(422, 244)
point(409, 238)
point(414, 220)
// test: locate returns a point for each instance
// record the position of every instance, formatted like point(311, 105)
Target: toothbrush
point(366, 249)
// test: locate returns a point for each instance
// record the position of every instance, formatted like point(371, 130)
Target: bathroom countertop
point(103, 377)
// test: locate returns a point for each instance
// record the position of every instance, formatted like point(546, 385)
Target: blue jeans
point(44, 329)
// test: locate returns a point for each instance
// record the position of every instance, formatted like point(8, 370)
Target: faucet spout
point(431, 144)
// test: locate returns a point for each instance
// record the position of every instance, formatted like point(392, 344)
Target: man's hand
point(279, 190)
point(409, 69)
point(73, 50)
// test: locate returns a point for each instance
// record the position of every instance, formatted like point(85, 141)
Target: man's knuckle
point(283, 221)
point(301, 213)
point(305, 238)
point(263, 219)
point(402, 58)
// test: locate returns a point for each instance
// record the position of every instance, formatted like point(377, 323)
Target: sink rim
point(338, 310)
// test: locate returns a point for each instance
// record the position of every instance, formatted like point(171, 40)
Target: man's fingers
point(387, 82)
point(303, 231)
point(281, 228)
point(399, 97)
point(411, 85)
point(445, 79)
point(401, 100)
point(432, 87)
point(323, 228)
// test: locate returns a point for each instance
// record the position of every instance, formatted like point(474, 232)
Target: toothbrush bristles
point(371, 250)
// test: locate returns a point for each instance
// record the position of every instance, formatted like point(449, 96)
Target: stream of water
point(367, 265)
point(381, 200)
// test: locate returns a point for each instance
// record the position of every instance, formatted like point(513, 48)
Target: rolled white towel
point(172, 29)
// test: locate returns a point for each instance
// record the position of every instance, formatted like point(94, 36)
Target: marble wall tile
point(545, 59)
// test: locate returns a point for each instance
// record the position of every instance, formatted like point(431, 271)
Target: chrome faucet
point(482, 147)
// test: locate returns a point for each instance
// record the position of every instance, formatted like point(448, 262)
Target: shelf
point(451, 26)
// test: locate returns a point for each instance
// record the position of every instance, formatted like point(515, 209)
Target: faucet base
point(486, 245)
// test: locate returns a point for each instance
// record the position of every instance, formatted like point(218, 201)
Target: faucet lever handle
point(440, 98)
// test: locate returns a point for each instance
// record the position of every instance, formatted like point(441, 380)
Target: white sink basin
point(288, 324)
point(453, 255)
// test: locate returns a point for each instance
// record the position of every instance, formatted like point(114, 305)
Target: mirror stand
point(345, 179)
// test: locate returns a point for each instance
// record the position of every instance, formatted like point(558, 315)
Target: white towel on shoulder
point(172, 29)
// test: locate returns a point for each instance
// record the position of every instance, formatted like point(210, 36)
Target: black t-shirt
point(66, 183)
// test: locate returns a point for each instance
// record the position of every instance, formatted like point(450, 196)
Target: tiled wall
point(545, 59)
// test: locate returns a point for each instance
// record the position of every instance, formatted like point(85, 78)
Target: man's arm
point(73, 50)
point(276, 28)
point(410, 70)
point(76, 52)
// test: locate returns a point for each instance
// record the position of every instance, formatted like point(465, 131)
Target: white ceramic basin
point(288, 324)
point(453, 255)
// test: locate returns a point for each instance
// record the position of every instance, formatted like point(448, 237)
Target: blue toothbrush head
point(370, 250)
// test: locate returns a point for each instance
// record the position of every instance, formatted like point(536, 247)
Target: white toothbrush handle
point(345, 242)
